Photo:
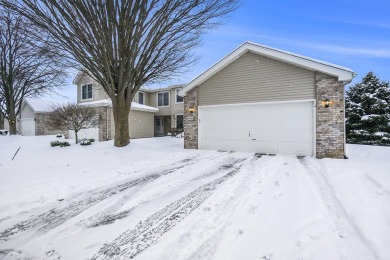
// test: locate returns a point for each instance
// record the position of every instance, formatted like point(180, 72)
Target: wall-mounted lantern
point(326, 102)
point(191, 110)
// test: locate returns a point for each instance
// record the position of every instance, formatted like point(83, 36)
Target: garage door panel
point(286, 134)
point(27, 126)
point(285, 128)
point(303, 135)
point(270, 147)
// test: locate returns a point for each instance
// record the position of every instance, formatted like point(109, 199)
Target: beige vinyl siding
point(162, 111)
point(27, 112)
point(146, 98)
point(141, 124)
point(176, 108)
point(97, 91)
point(173, 107)
point(255, 78)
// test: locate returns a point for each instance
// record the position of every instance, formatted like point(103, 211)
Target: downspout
point(345, 128)
point(107, 123)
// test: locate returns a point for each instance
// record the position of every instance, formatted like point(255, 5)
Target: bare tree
point(1, 121)
point(72, 117)
point(126, 44)
point(29, 66)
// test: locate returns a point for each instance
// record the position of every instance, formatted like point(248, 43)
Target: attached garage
point(34, 115)
point(264, 100)
point(276, 127)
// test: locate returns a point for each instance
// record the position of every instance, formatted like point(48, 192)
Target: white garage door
point(272, 128)
point(27, 126)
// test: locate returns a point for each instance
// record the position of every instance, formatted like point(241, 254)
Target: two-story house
point(153, 112)
point(170, 107)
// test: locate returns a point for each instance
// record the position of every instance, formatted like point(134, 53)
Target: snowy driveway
point(155, 200)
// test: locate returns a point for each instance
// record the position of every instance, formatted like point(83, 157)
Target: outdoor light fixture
point(326, 102)
point(191, 110)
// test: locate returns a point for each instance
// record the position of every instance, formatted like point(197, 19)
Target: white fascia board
point(77, 78)
point(342, 73)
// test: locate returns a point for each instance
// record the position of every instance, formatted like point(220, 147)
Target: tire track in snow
point(133, 241)
point(111, 214)
point(57, 216)
point(342, 219)
point(377, 184)
point(207, 249)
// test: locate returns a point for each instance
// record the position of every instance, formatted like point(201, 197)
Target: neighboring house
point(154, 112)
point(265, 100)
point(33, 117)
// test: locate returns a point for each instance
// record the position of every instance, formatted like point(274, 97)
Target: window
point(86, 91)
point(163, 99)
point(141, 98)
point(179, 121)
point(179, 99)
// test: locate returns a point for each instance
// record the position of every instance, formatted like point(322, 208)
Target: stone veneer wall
point(191, 120)
point(41, 127)
point(39, 124)
point(330, 120)
point(105, 117)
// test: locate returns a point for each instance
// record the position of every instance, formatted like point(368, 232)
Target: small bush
point(59, 135)
point(91, 140)
point(85, 141)
point(63, 144)
point(58, 143)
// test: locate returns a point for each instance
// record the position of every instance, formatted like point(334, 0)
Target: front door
point(159, 125)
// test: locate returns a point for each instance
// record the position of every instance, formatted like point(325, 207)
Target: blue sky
point(354, 34)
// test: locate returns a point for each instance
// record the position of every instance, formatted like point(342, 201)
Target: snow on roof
point(43, 105)
point(342, 73)
point(134, 105)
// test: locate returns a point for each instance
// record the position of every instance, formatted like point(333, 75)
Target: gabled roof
point(342, 73)
point(143, 89)
point(43, 105)
point(134, 105)
point(148, 89)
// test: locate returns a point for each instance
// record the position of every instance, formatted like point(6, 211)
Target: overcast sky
point(353, 34)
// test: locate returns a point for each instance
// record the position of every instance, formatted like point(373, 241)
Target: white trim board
point(343, 74)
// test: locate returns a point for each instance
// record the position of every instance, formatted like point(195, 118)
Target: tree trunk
point(121, 120)
point(75, 134)
point(12, 123)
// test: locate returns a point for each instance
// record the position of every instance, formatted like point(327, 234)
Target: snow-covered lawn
point(155, 200)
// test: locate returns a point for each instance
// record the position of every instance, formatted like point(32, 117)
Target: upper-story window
point(86, 91)
point(163, 99)
point(141, 98)
point(179, 99)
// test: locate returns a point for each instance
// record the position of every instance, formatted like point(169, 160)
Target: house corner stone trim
point(104, 124)
point(329, 120)
point(39, 124)
point(191, 120)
